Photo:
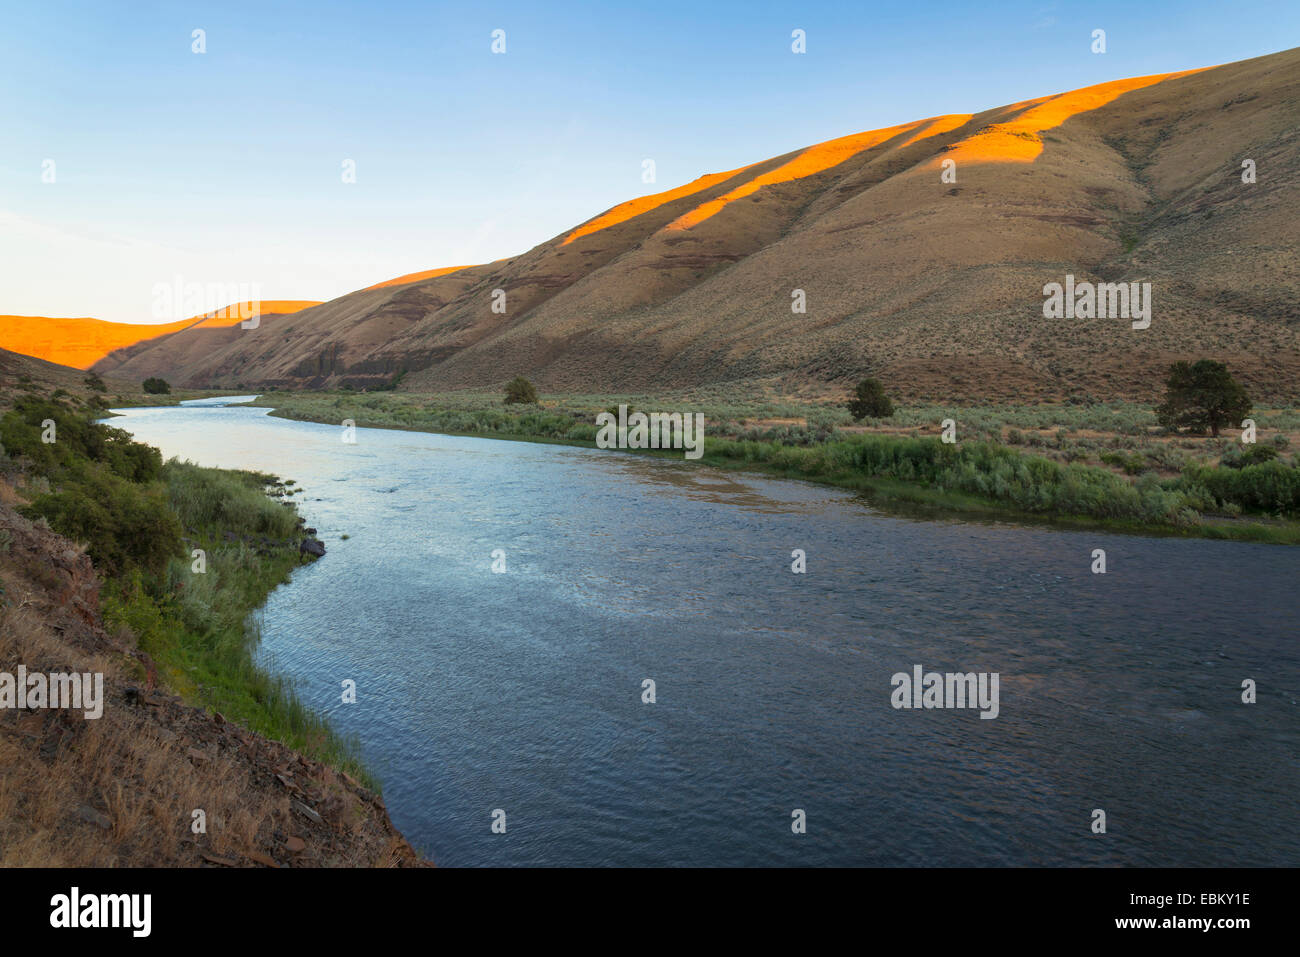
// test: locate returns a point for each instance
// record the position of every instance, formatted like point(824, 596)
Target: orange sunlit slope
point(1014, 141)
point(935, 126)
point(239, 311)
point(416, 277)
point(1017, 141)
point(815, 159)
point(643, 204)
point(79, 343)
point(82, 342)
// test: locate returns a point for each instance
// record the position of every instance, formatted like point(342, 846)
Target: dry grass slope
point(120, 790)
point(934, 287)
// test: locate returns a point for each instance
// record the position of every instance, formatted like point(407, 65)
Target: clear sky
point(227, 166)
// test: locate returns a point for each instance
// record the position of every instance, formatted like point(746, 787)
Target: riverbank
point(1091, 466)
point(112, 562)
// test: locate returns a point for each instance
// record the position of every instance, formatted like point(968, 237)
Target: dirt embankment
point(124, 789)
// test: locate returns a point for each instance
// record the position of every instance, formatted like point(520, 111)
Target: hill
point(936, 287)
point(85, 342)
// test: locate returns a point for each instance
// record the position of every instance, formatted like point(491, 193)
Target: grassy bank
point(1079, 465)
point(141, 521)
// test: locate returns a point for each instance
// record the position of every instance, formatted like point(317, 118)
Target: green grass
point(142, 519)
point(981, 479)
point(198, 626)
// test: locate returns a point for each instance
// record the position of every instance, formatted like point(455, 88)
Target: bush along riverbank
point(1158, 487)
point(113, 561)
point(983, 477)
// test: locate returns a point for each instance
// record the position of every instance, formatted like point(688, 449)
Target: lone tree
point(520, 390)
point(156, 386)
point(1200, 396)
point(869, 399)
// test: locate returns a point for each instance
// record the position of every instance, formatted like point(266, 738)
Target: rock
point(91, 816)
point(311, 546)
point(295, 845)
point(307, 812)
point(309, 531)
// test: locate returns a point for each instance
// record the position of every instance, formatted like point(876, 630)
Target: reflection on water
point(522, 690)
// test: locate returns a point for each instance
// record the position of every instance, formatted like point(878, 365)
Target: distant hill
point(935, 287)
point(176, 350)
point(78, 343)
point(21, 374)
point(84, 342)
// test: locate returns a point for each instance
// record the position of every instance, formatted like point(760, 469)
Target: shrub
point(156, 386)
point(1268, 487)
point(1252, 455)
point(519, 391)
point(869, 400)
point(123, 525)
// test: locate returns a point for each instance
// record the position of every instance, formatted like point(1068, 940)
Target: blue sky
point(226, 166)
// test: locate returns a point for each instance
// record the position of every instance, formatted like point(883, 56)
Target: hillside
point(79, 343)
point(119, 791)
point(19, 373)
point(84, 342)
point(936, 287)
point(95, 544)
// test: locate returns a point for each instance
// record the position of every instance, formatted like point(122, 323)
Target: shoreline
point(891, 496)
point(150, 575)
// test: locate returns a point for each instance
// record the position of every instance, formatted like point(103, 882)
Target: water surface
point(522, 690)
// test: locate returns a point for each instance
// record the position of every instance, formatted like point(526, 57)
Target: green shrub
point(156, 386)
point(1237, 458)
point(123, 525)
point(869, 401)
point(519, 391)
point(1268, 487)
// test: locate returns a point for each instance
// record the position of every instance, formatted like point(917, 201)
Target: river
point(522, 690)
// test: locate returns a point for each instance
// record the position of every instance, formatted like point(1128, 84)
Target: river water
point(522, 690)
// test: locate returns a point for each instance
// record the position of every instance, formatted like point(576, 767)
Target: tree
point(156, 386)
point(869, 399)
point(95, 383)
point(520, 390)
point(1200, 396)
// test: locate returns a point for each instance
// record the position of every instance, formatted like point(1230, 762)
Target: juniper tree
point(869, 399)
point(1202, 395)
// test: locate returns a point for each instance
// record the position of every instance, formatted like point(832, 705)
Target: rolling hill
point(934, 285)
point(85, 342)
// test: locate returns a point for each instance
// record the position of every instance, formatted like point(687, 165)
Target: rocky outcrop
point(313, 547)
